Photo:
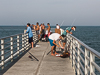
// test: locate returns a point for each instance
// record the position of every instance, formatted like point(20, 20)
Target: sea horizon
point(52, 25)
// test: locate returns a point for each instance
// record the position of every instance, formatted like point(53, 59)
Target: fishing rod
point(48, 52)
point(24, 25)
point(32, 56)
point(62, 23)
point(73, 22)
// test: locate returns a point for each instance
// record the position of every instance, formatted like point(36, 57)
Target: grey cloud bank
point(18, 12)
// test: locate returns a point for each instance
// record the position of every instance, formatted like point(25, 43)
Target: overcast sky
point(70, 12)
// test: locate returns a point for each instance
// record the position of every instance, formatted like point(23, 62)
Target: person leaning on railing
point(67, 30)
point(30, 34)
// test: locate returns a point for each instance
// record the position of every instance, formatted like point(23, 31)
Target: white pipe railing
point(82, 56)
point(13, 46)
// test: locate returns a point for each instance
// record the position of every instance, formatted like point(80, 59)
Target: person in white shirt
point(52, 39)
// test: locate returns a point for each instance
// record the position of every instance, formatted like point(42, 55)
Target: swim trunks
point(51, 42)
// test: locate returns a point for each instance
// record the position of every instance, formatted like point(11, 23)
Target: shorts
point(51, 42)
point(37, 32)
point(43, 31)
point(30, 39)
point(64, 40)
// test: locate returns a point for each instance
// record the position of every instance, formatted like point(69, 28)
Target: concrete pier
point(47, 64)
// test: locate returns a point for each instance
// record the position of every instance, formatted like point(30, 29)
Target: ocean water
point(87, 34)
point(11, 30)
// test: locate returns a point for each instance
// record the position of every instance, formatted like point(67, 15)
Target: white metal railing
point(82, 56)
point(13, 46)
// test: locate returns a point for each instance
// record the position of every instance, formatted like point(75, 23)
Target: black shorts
point(37, 32)
point(30, 39)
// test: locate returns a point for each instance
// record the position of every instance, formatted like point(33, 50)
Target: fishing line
point(62, 23)
point(24, 25)
point(73, 22)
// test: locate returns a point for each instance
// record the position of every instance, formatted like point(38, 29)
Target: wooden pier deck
point(47, 64)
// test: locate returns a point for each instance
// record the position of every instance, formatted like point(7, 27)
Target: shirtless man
point(40, 31)
point(48, 24)
point(37, 29)
point(43, 30)
point(33, 27)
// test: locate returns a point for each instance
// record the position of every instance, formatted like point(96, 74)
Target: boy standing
point(30, 34)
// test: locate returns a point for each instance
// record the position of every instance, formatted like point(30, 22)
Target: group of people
point(60, 36)
point(43, 32)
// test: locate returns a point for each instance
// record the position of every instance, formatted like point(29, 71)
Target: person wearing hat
point(67, 30)
point(30, 34)
point(57, 29)
point(52, 39)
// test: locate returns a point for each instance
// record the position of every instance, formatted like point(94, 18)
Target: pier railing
point(13, 46)
point(82, 56)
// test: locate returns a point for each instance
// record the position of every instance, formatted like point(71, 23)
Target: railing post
point(27, 42)
point(78, 60)
point(22, 42)
point(67, 39)
point(11, 43)
point(2, 53)
point(34, 36)
point(86, 62)
point(74, 54)
point(71, 49)
point(18, 44)
point(92, 59)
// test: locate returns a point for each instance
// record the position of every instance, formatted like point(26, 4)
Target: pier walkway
point(47, 64)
